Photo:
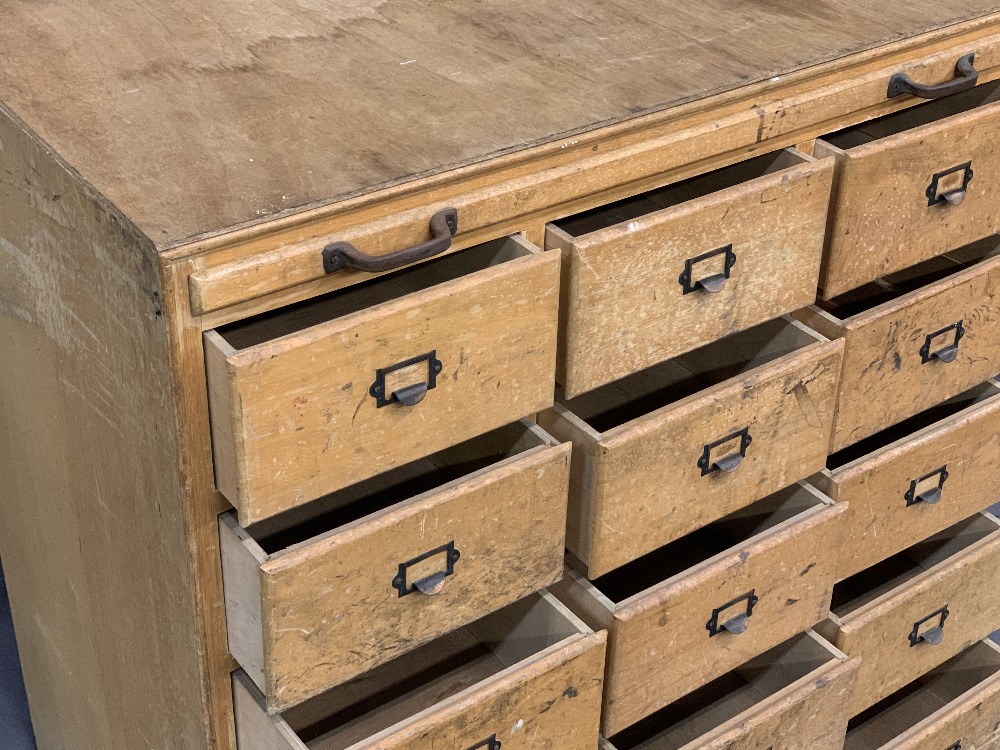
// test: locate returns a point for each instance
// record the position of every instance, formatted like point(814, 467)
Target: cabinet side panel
point(92, 533)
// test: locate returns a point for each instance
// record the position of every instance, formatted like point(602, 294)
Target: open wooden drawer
point(525, 677)
point(912, 185)
point(315, 397)
point(319, 595)
point(709, 602)
point(954, 707)
point(670, 449)
point(658, 275)
point(917, 478)
point(794, 697)
point(919, 608)
point(913, 339)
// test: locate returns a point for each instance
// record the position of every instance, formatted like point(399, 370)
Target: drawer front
point(553, 701)
point(299, 417)
point(881, 634)
point(786, 408)
point(886, 377)
point(344, 603)
point(631, 294)
point(661, 647)
point(812, 714)
point(882, 221)
point(918, 488)
point(973, 722)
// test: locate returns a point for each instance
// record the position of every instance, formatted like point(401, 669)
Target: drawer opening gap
point(921, 114)
point(402, 688)
point(294, 318)
point(636, 395)
point(907, 428)
point(725, 698)
point(681, 192)
point(702, 545)
point(920, 699)
point(282, 533)
point(896, 285)
point(865, 587)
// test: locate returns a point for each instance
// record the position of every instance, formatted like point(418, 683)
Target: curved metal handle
point(737, 625)
point(340, 255)
point(411, 395)
point(931, 496)
point(712, 284)
point(966, 78)
point(955, 197)
point(729, 464)
point(947, 355)
point(933, 637)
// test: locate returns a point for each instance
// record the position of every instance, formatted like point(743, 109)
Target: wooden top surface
point(193, 117)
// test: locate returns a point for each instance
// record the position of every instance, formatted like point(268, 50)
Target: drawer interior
point(728, 696)
point(923, 697)
point(892, 287)
point(306, 524)
point(922, 114)
point(682, 192)
point(865, 587)
point(678, 557)
point(634, 396)
point(431, 675)
point(909, 429)
point(284, 321)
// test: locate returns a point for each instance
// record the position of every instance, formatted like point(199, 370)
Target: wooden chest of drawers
point(329, 329)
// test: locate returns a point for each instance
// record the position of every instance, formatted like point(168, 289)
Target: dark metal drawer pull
point(737, 624)
point(948, 353)
point(931, 496)
point(340, 255)
point(432, 584)
point(713, 283)
point(955, 196)
point(409, 395)
point(729, 463)
point(932, 636)
point(955, 746)
point(490, 743)
point(966, 77)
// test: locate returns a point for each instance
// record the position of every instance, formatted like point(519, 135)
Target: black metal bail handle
point(737, 624)
point(966, 77)
point(340, 255)
point(931, 496)
point(948, 353)
point(490, 743)
point(932, 636)
point(729, 463)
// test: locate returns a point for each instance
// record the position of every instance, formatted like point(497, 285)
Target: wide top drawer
point(318, 396)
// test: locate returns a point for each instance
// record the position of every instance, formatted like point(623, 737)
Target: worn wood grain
point(442, 84)
point(884, 379)
point(93, 532)
point(881, 221)
point(300, 405)
point(879, 523)
point(626, 309)
point(547, 694)
point(956, 702)
point(878, 630)
point(619, 509)
point(659, 647)
point(797, 695)
point(330, 611)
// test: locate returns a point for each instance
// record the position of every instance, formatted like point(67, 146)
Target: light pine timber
point(541, 689)
point(623, 307)
point(93, 529)
point(795, 696)
point(294, 417)
point(571, 175)
point(326, 610)
point(637, 486)
point(957, 702)
point(878, 523)
point(659, 648)
point(881, 221)
point(877, 631)
point(884, 380)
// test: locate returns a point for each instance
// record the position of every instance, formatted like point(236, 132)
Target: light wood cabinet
point(327, 328)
